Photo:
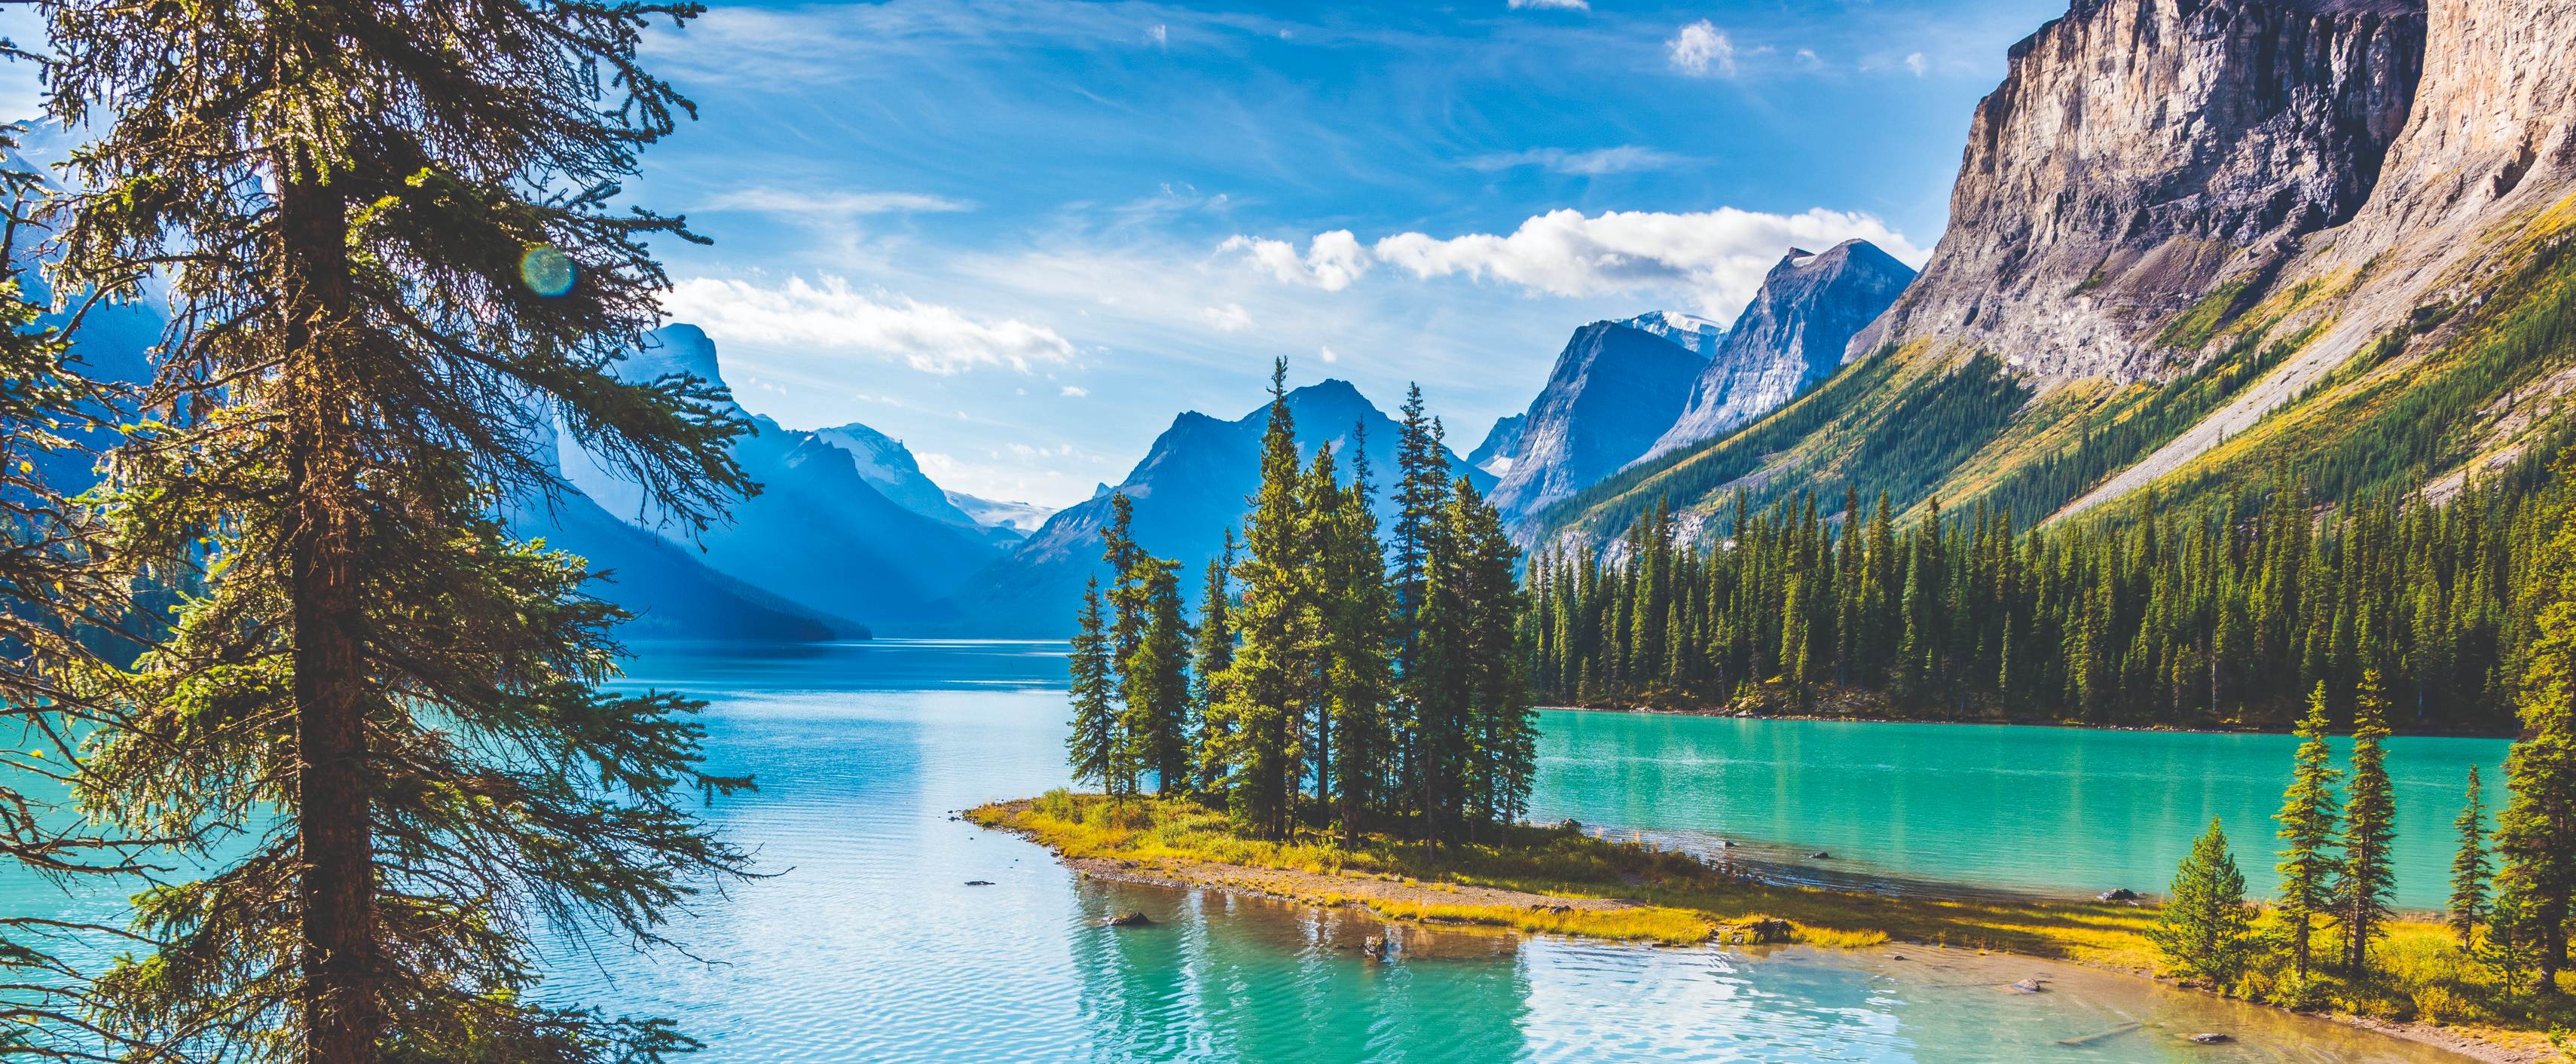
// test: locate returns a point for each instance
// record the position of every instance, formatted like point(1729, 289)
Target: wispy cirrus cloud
point(1625, 158)
point(764, 200)
point(830, 315)
point(1552, 5)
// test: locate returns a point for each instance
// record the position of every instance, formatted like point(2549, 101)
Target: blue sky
point(1021, 235)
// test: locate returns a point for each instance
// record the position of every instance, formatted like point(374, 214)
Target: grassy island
point(1563, 880)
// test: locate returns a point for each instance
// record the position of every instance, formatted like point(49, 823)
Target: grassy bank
point(1563, 881)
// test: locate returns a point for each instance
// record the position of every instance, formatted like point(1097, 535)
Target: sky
point(1021, 236)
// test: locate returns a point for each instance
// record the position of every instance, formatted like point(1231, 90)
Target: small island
point(1566, 880)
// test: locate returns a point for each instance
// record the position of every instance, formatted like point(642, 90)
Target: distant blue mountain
point(1187, 493)
point(1614, 389)
point(819, 534)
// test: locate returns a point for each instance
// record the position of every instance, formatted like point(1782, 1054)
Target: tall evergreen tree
point(2369, 828)
point(1211, 654)
point(389, 240)
point(2310, 823)
point(1154, 684)
point(1357, 617)
point(2469, 870)
point(1262, 694)
point(1095, 745)
point(2535, 840)
point(2204, 932)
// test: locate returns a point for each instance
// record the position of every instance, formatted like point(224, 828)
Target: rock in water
point(1130, 918)
point(2031, 985)
point(1374, 949)
point(2210, 1039)
point(2117, 894)
point(1820, 855)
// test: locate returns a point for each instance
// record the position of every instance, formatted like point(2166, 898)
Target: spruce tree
point(2370, 828)
point(2535, 839)
point(1153, 683)
point(1262, 693)
point(2309, 825)
point(1211, 653)
point(1357, 614)
point(2204, 931)
point(1095, 747)
point(395, 262)
point(2469, 867)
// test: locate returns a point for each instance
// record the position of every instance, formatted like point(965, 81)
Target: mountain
point(820, 533)
point(2192, 244)
point(1187, 493)
point(1613, 391)
point(671, 594)
point(888, 466)
point(1008, 521)
point(1790, 336)
point(2139, 155)
point(1697, 334)
point(1502, 445)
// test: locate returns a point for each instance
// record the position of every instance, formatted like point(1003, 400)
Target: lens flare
point(546, 271)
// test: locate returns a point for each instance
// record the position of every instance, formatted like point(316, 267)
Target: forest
point(1334, 677)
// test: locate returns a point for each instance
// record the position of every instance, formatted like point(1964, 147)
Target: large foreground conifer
point(386, 233)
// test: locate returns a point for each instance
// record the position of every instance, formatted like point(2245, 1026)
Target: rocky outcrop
point(1693, 333)
point(2143, 154)
point(1502, 445)
point(1790, 336)
point(2489, 144)
point(1613, 391)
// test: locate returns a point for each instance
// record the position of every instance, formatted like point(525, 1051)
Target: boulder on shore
point(2117, 894)
point(2210, 1038)
point(1130, 918)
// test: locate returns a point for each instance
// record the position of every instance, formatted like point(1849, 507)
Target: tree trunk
point(342, 1015)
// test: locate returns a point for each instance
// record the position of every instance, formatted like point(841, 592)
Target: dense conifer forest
point(2227, 616)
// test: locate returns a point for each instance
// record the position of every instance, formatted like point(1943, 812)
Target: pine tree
point(2309, 824)
point(1096, 748)
point(404, 268)
point(1210, 656)
point(2469, 868)
point(2535, 840)
point(1262, 693)
point(2369, 829)
point(2204, 931)
point(1357, 621)
point(1154, 683)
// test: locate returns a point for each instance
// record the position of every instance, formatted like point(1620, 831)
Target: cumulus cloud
point(1228, 318)
point(1714, 259)
point(1074, 392)
point(1702, 49)
point(1553, 5)
point(1332, 261)
point(1158, 35)
point(829, 315)
point(1592, 163)
point(1328, 354)
point(1916, 63)
point(761, 200)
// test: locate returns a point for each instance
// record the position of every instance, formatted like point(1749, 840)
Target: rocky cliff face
point(1613, 391)
point(2142, 154)
point(1790, 336)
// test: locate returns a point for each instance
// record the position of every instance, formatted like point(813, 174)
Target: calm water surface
point(865, 944)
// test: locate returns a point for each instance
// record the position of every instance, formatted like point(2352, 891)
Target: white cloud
point(762, 200)
point(1553, 5)
point(1715, 259)
point(1228, 318)
point(1808, 60)
point(1702, 49)
point(1332, 261)
point(1593, 163)
point(831, 316)
point(1158, 35)
point(1916, 63)
point(1072, 392)
point(1328, 354)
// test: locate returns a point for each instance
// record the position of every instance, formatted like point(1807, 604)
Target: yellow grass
point(2420, 972)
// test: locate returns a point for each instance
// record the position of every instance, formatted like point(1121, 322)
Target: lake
point(865, 944)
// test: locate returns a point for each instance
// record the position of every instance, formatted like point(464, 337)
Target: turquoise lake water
point(865, 944)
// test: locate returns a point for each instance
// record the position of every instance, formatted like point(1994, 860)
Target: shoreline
point(1723, 712)
point(1632, 911)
